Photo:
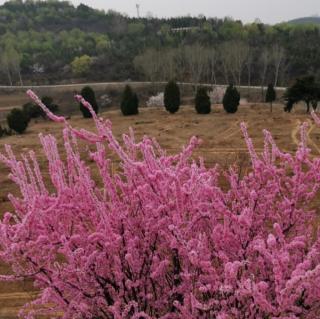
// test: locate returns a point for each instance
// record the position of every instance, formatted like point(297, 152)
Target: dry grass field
point(222, 144)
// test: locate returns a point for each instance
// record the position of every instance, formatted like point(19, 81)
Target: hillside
point(49, 42)
point(306, 20)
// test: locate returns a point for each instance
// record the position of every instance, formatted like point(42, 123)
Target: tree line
point(52, 41)
point(305, 89)
point(232, 61)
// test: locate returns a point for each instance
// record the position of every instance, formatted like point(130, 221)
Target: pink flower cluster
point(162, 238)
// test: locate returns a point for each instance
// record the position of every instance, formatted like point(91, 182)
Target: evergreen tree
point(130, 102)
point(271, 95)
point(18, 120)
point(89, 95)
point(304, 89)
point(172, 97)
point(231, 99)
point(202, 101)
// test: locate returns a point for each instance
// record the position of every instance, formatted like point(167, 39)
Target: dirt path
point(312, 126)
point(296, 130)
point(235, 128)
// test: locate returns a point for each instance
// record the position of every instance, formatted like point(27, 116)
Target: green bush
point(31, 110)
point(34, 111)
point(305, 89)
point(48, 102)
point(88, 94)
point(202, 101)
point(231, 99)
point(172, 97)
point(129, 102)
point(18, 120)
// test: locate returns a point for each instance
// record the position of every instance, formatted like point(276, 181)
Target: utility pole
point(138, 10)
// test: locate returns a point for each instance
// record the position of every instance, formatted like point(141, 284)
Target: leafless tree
point(223, 64)
point(263, 63)
point(15, 61)
point(181, 67)
point(10, 60)
point(196, 61)
point(211, 55)
point(150, 64)
point(234, 55)
point(277, 58)
point(5, 66)
point(169, 64)
point(249, 64)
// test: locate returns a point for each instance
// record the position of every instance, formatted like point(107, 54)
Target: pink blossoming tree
point(162, 238)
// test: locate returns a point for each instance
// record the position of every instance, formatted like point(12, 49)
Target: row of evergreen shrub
point(172, 99)
point(18, 119)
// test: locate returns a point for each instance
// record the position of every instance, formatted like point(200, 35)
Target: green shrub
point(231, 99)
point(172, 97)
point(88, 94)
point(18, 120)
point(129, 102)
point(202, 101)
point(33, 111)
point(48, 102)
point(305, 89)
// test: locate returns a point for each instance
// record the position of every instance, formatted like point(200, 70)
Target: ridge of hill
point(306, 20)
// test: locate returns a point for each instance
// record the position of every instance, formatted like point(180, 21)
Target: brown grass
point(222, 144)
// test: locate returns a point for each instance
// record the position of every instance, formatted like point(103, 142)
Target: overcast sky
point(269, 11)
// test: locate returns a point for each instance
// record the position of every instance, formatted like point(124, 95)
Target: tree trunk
point(20, 78)
point(276, 76)
point(213, 77)
point(9, 76)
point(262, 93)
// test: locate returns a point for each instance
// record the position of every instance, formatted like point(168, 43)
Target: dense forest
point(54, 41)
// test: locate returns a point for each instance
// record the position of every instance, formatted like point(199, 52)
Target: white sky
point(268, 11)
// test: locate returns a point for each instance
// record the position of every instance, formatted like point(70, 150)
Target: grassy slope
point(222, 143)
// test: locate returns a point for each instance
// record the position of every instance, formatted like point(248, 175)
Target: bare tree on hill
point(196, 61)
point(277, 58)
point(234, 55)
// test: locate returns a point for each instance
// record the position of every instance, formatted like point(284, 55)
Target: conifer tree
point(305, 89)
point(202, 101)
point(18, 120)
point(231, 99)
point(172, 97)
point(88, 94)
point(130, 102)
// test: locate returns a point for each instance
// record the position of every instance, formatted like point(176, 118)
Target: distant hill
point(305, 20)
point(53, 41)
